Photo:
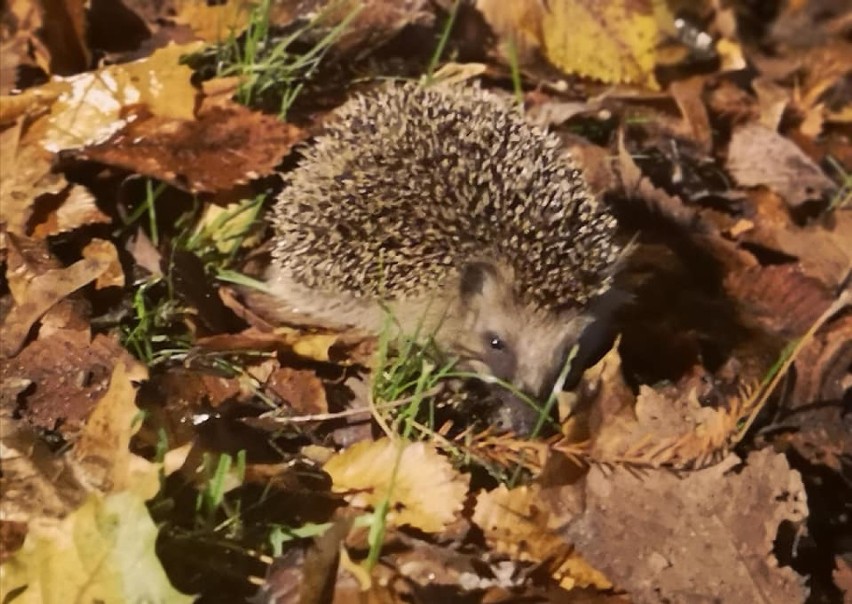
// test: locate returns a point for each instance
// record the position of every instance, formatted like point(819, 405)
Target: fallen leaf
point(68, 372)
point(758, 156)
point(104, 252)
point(514, 523)
point(103, 552)
point(423, 489)
point(215, 22)
point(93, 106)
point(41, 293)
point(613, 42)
point(70, 209)
point(843, 575)
point(19, 47)
point(225, 147)
point(688, 96)
point(103, 452)
point(780, 298)
point(27, 174)
point(302, 390)
point(658, 534)
point(64, 34)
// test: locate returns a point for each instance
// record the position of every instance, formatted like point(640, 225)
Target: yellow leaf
point(423, 489)
point(91, 106)
point(610, 41)
point(103, 450)
point(214, 22)
point(516, 523)
point(314, 346)
point(614, 41)
point(102, 552)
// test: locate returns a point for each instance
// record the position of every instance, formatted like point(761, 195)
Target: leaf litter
point(704, 454)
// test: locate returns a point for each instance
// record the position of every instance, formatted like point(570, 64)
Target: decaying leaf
point(301, 390)
point(103, 552)
point(515, 523)
point(781, 298)
point(71, 208)
point(758, 156)
point(424, 490)
point(709, 532)
point(103, 449)
point(225, 147)
point(104, 252)
point(214, 22)
point(68, 372)
point(64, 34)
point(94, 105)
point(27, 174)
point(42, 292)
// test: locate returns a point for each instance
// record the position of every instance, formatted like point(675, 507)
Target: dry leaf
point(26, 169)
point(68, 373)
point(843, 575)
point(41, 293)
point(302, 390)
point(70, 209)
point(215, 22)
point(224, 148)
point(515, 523)
point(94, 105)
point(711, 532)
point(64, 34)
point(687, 94)
point(425, 491)
point(758, 156)
point(103, 552)
point(104, 252)
point(613, 41)
point(103, 449)
point(781, 298)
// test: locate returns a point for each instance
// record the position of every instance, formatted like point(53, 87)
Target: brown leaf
point(758, 156)
point(781, 298)
point(70, 209)
point(638, 186)
point(222, 149)
point(822, 368)
point(661, 536)
point(843, 575)
point(41, 293)
point(515, 523)
point(687, 94)
point(22, 18)
point(824, 247)
point(26, 170)
point(104, 252)
point(64, 33)
point(376, 20)
point(301, 390)
point(103, 449)
point(67, 373)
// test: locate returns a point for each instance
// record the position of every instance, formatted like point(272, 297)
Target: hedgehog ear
point(478, 279)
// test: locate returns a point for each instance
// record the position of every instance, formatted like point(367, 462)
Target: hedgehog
point(443, 208)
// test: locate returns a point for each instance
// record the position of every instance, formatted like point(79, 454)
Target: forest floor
point(162, 441)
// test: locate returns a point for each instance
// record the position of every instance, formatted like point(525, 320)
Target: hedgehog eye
point(495, 342)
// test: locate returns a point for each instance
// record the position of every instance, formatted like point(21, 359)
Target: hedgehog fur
point(443, 201)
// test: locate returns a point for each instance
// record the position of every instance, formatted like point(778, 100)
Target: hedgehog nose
point(516, 414)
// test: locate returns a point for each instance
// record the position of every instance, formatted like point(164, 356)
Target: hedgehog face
point(500, 336)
